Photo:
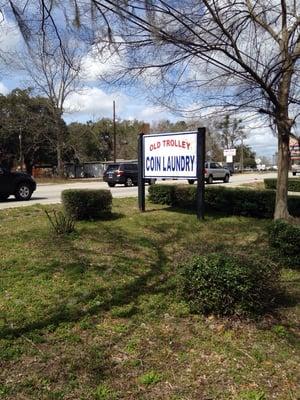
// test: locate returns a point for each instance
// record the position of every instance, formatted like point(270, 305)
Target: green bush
point(161, 194)
point(293, 184)
point(240, 201)
point(87, 204)
point(184, 196)
point(231, 201)
point(285, 238)
point(229, 285)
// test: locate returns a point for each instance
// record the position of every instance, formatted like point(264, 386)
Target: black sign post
point(141, 181)
point(200, 172)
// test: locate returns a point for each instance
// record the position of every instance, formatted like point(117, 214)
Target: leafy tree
point(26, 124)
point(94, 140)
point(88, 142)
point(246, 155)
point(56, 76)
point(231, 132)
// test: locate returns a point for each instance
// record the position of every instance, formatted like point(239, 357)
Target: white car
point(214, 172)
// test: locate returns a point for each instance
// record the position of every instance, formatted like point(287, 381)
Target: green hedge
point(285, 239)
point(223, 284)
point(231, 201)
point(162, 194)
point(87, 204)
point(293, 184)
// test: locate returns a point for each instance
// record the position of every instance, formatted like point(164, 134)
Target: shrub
point(232, 201)
point(225, 285)
point(285, 238)
point(184, 196)
point(87, 204)
point(61, 223)
point(293, 184)
point(240, 201)
point(161, 194)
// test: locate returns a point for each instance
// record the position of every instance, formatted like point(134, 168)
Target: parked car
point(124, 174)
point(214, 172)
point(230, 167)
point(19, 184)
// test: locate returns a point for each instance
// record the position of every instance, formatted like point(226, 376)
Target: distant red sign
point(295, 149)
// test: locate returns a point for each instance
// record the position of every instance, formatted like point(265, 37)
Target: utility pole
point(21, 150)
point(114, 128)
point(242, 154)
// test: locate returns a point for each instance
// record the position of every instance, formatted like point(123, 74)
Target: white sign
point(229, 159)
point(229, 152)
point(170, 155)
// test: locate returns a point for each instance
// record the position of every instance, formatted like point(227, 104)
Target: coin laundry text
point(170, 163)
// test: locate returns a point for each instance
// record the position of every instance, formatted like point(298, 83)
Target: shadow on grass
point(105, 216)
point(208, 213)
point(151, 282)
point(111, 216)
point(188, 211)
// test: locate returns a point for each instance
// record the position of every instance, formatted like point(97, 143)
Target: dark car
point(19, 184)
point(230, 167)
point(123, 174)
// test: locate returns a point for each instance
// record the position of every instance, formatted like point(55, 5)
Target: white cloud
point(10, 36)
point(97, 63)
point(151, 113)
point(261, 139)
point(3, 89)
point(93, 102)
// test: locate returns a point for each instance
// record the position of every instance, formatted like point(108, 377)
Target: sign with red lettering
point(170, 155)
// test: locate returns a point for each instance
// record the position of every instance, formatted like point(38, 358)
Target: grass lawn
point(96, 315)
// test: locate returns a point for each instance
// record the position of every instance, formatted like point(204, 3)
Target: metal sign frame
point(200, 160)
point(170, 147)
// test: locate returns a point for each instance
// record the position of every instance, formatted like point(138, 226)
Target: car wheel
point(23, 192)
point(4, 197)
point(210, 179)
point(191, 181)
point(128, 182)
point(226, 179)
point(111, 184)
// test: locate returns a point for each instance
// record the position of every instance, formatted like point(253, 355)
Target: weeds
point(150, 378)
point(61, 223)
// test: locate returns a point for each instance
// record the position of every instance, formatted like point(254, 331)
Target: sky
point(94, 102)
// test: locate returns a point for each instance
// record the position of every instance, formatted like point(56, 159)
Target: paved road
point(50, 194)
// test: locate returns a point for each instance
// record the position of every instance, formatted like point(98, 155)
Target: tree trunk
point(281, 207)
point(59, 145)
point(60, 165)
point(29, 166)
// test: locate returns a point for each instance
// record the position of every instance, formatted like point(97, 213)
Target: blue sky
point(94, 102)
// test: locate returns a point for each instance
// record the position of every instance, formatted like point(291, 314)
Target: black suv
point(19, 184)
point(123, 173)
